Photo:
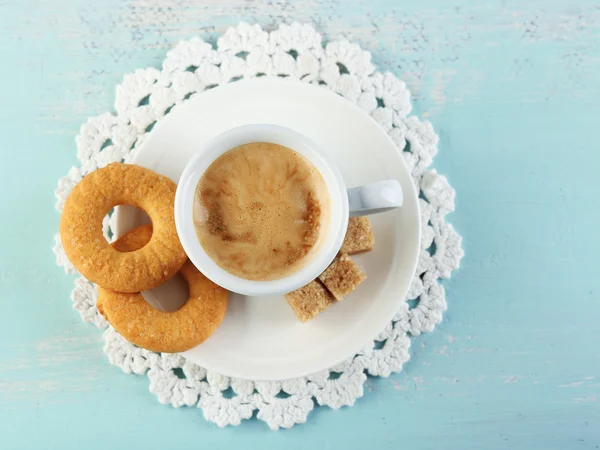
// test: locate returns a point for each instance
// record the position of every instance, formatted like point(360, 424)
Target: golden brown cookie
point(85, 245)
point(159, 331)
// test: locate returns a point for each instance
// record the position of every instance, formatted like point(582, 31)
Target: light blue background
point(514, 92)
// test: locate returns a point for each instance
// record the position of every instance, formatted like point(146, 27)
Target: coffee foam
point(260, 211)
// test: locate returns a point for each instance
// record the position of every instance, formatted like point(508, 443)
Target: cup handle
point(374, 198)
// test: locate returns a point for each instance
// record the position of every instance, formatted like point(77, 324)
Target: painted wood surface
point(514, 92)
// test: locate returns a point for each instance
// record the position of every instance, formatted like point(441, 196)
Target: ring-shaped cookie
point(171, 332)
point(90, 253)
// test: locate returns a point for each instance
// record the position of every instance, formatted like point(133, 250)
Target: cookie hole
point(261, 74)
point(210, 86)
point(242, 54)
point(144, 101)
point(229, 393)
point(412, 304)
point(236, 78)
point(168, 110)
point(169, 296)
point(179, 373)
point(293, 53)
point(106, 143)
point(283, 394)
point(342, 68)
point(334, 375)
point(188, 95)
point(380, 103)
point(321, 82)
point(380, 344)
point(191, 68)
point(422, 196)
point(109, 234)
point(282, 75)
point(127, 218)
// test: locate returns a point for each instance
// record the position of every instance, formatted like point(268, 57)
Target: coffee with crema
point(259, 211)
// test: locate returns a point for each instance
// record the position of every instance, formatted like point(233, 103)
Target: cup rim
point(220, 144)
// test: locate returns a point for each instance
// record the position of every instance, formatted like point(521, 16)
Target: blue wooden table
point(514, 92)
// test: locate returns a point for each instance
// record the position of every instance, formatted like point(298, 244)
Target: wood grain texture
point(513, 90)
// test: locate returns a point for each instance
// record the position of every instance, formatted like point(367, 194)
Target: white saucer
point(260, 338)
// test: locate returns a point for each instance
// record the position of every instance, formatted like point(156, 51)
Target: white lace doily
point(293, 51)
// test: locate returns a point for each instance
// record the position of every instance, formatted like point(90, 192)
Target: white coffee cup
point(373, 198)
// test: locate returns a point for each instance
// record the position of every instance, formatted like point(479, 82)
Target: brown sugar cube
point(309, 301)
point(359, 236)
point(342, 276)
